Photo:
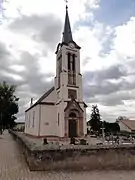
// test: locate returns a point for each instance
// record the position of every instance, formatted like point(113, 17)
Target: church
point(61, 111)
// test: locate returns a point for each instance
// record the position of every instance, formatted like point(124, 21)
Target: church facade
point(61, 111)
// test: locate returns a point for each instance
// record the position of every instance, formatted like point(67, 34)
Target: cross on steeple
point(66, 1)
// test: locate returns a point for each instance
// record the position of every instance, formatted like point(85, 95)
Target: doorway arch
point(73, 119)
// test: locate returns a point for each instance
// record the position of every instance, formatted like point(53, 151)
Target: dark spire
point(67, 34)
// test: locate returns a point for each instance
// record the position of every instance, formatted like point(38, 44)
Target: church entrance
point(73, 120)
point(72, 128)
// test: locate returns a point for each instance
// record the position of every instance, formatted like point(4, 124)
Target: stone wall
point(77, 157)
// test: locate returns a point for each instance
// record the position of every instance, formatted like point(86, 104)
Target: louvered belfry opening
point(71, 69)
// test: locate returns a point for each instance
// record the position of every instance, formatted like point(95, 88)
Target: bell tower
point(68, 66)
point(68, 80)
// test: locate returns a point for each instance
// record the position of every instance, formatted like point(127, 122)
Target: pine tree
point(95, 119)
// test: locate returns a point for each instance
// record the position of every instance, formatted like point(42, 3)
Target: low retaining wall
point(77, 157)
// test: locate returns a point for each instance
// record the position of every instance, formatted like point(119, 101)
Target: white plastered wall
point(48, 123)
point(31, 127)
point(84, 119)
point(61, 126)
point(63, 90)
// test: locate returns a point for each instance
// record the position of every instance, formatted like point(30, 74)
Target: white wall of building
point(61, 126)
point(63, 90)
point(48, 123)
point(84, 118)
point(64, 74)
point(123, 127)
point(32, 121)
point(80, 91)
point(58, 123)
point(77, 60)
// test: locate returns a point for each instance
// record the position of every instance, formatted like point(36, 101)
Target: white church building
point(61, 111)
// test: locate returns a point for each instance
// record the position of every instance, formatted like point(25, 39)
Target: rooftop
point(129, 123)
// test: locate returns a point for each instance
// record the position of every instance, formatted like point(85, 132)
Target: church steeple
point(67, 34)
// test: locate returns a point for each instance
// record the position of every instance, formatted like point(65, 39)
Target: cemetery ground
point(14, 167)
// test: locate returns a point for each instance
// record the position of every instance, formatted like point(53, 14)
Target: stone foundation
point(77, 157)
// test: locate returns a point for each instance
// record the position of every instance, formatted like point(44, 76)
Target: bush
point(83, 142)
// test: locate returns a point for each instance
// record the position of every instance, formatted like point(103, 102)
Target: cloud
point(107, 54)
point(4, 55)
point(124, 41)
point(119, 97)
point(32, 75)
point(6, 74)
point(104, 88)
point(104, 82)
point(35, 83)
point(109, 87)
point(41, 28)
point(32, 82)
point(113, 72)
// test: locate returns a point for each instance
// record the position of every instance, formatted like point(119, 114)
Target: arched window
point(58, 119)
point(71, 69)
point(68, 61)
point(73, 62)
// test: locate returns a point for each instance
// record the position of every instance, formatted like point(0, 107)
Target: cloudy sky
point(105, 29)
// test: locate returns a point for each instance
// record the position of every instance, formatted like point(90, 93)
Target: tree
point(121, 118)
point(111, 127)
point(95, 118)
point(8, 106)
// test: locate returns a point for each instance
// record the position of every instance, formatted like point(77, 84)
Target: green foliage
point(8, 106)
point(111, 127)
point(121, 118)
point(19, 129)
point(95, 122)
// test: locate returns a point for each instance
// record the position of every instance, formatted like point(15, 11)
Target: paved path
point(13, 167)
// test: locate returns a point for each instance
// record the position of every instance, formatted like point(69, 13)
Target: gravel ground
point(13, 167)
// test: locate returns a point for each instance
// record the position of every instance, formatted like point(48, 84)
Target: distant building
point(61, 111)
point(19, 125)
point(127, 126)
